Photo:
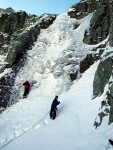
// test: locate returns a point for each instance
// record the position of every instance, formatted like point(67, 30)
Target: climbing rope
point(25, 131)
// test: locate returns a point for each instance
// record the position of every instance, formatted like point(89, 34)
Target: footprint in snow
point(37, 126)
point(45, 122)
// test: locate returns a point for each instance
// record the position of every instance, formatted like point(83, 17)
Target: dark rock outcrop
point(25, 40)
point(73, 76)
point(111, 23)
point(111, 113)
point(87, 62)
point(11, 25)
point(82, 9)
point(7, 10)
point(6, 82)
point(100, 23)
point(101, 115)
point(102, 75)
point(110, 102)
point(46, 20)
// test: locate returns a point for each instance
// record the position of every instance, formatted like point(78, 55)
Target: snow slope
point(47, 67)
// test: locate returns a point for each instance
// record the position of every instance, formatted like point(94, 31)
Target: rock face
point(102, 75)
point(6, 82)
point(18, 35)
point(11, 25)
point(46, 20)
point(82, 9)
point(24, 41)
point(27, 38)
point(111, 23)
point(87, 62)
point(7, 10)
point(110, 102)
point(99, 24)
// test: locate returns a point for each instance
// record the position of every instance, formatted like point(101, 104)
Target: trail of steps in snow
point(19, 134)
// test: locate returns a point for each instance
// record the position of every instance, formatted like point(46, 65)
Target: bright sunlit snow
point(54, 56)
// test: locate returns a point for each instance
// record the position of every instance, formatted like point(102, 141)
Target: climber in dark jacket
point(26, 88)
point(54, 107)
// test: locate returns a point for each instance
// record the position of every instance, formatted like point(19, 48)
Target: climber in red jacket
point(26, 88)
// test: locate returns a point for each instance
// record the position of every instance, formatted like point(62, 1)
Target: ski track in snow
point(73, 128)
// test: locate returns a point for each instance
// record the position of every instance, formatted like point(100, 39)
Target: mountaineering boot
point(24, 96)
